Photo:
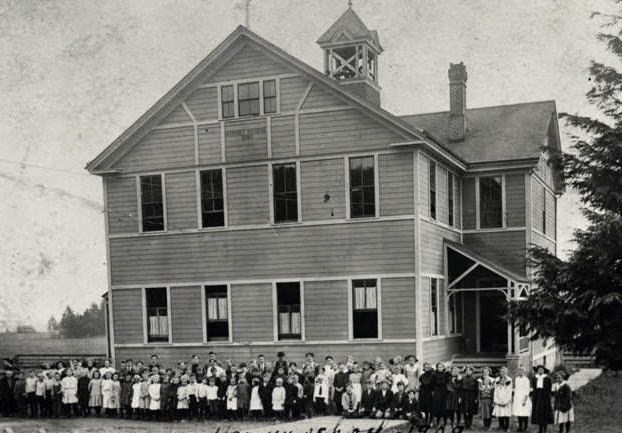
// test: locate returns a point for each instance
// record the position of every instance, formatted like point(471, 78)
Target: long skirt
point(542, 412)
point(486, 405)
point(468, 402)
point(425, 399)
point(439, 402)
point(453, 401)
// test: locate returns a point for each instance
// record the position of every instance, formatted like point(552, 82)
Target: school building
point(262, 205)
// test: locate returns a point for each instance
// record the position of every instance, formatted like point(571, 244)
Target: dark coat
point(426, 386)
point(368, 400)
point(563, 398)
point(541, 412)
point(439, 393)
point(454, 387)
point(383, 401)
point(469, 392)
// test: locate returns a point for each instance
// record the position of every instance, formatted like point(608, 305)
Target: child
point(367, 400)
point(256, 407)
point(265, 394)
point(243, 391)
point(521, 407)
point(469, 397)
point(426, 387)
point(486, 386)
point(350, 402)
point(278, 399)
point(172, 396)
point(83, 392)
point(542, 413)
point(383, 401)
point(95, 392)
point(397, 377)
point(40, 396)
point(223, 385)
point(31, 396)
point(193, 404)
point(339, 386)
point(355, 379)
point(144, 395)
point(154, 397)
point(439, 395)
point(212, 397)
point(19, 391)
point(106, 390)
point(126, 396)
point(57, 396)
point(307, 393)
point(69, 388)
point(399, 397)
point(291, 398)
point(453, 396)
point(564, 412)
point(320, 394)
point(165, 403)
point(502, 400)
point(135, 405)
point(202, 398)
point(116, 394)
point(182, 400)
point(232, 399)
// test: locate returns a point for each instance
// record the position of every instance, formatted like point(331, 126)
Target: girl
point(278, 399)
point(57, 396)
point(453, 396)
point(126, 396)
point(256, 407)
point(40, 395)
point(83, 391)
point(144, 395)
point(135, 405)
point(95, 392)
point(469, 392)
point(397, 377)
point(355, 379)
point(439, 396)
point(541, 413)
point(165, 403)
point(212, 397)
point(564, 412)
point(107, 398)
point(116, 394)
point(521, 407)
point(426, 386)
point(182, 400)
point(69, 388)
point(243, 391)
point(193, 403)
point(232, 399)
point(502, 400)
point(154, 397)
point(486, 386)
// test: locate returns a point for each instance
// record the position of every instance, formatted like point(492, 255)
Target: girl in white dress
point(107, 403)
point(521, 407)
point(182, 399)
point(278, 399)
point(69, 388)
point(154, 395)
point(232, 398)
point(502, 401)
point(135, 405)
point(256, 406)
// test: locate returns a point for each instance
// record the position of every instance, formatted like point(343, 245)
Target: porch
point(484, 289)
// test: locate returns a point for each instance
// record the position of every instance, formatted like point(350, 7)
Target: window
point(212, 200)
point(362, 190)
point(455, 314)
point(285, 193)
point(289, 318)
point(450, 198)
point(269, 96)
point(216, 304)
point(490, 202)
point(152, 204)
point(157, 314)
point(432, 189)
point(543, 210)
point(227, 101)
point(364, 309)
point(248, 99)
point(433, 306)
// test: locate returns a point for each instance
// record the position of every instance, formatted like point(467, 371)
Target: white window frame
point(236, 109)
point(275, 312)
point(429, 210)
point(169, 317)
point(503, 203)
point(351, 307)
point(454, 315)
point(223, 171)
point(204, 313)
point(271, 192)
point(346, 166)
point(139, 198)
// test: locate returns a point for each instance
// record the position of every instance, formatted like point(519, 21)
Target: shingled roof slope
point(350, 23)
point(499, 133)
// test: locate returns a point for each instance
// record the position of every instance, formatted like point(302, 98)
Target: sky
point(74, 74)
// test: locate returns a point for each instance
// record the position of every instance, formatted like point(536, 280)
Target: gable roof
point(141, 126)
point(500, 133)
point(352, 25)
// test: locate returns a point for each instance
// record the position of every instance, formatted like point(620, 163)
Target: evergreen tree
point(578, 302)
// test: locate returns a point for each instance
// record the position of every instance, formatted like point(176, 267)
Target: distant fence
point(12, 344)
point(36, 360)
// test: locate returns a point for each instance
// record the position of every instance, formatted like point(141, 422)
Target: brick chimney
point(457, 101)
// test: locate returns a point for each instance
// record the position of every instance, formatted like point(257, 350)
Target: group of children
point(401, 388)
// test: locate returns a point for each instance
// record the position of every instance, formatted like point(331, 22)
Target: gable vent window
point(269, 96)
point(248, 99)
point(228, 102)
point(152, 203)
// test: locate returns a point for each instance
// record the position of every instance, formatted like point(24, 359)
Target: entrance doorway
point(493, 326)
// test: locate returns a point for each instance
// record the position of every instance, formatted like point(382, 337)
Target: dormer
point(351, 53)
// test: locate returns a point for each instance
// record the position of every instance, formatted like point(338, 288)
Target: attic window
point(269, 96)
point(248, 99)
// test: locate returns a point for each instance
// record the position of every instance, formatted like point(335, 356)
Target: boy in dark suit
point(383, 400)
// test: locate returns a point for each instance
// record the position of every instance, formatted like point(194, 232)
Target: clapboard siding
point(505, 248)
point(537, 206)
point(246, 140)
point(281, 252)
point(515, 200)
point(210, 144)
point(181, 200)
point(178, 115)
point(122, 206)
point(186, 314)
point(127, 313)
point(442, 207)
point(395, 173)
point(251, 312)
point(442, 350)
point(203, 104)
point(432, 237)
point(283, 137)
point(320, 98)
point(249, 62)
point(550, 215)
point(247, 190)
point(291, 92)
point(342, 131)
point(542, 241)
point(326, 310)
point(398, 308)
point(319, 178)
point(169, 356)
point(468, 203)
point(424, 186)
point(161, 148)
point(424, 292)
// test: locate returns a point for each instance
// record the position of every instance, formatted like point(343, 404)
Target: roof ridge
point(485, 107)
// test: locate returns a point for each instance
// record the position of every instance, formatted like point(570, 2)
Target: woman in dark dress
point(439, 394)
point(469, 392)
point(426, 385)
point(453, 396)
point(541, 412)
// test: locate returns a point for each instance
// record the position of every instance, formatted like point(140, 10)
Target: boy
point(383, 401)
point(350, 403)
point(202, 398)
point(211, 395)
point(320, 394)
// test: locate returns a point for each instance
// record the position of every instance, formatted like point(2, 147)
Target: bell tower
point(351, 53)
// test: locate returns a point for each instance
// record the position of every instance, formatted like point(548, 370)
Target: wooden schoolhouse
point(262, 205)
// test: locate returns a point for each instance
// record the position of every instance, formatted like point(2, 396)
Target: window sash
point(152, 203)
point(365, 295)
point(248, 99)
point(432, 180)
point(450, 198)
point(491, 202)
point(285, 193)
point(212, 199)
point(362, 187)
point(433, 306)
point(269, 96)
point(156, 306)
point(227, 101)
